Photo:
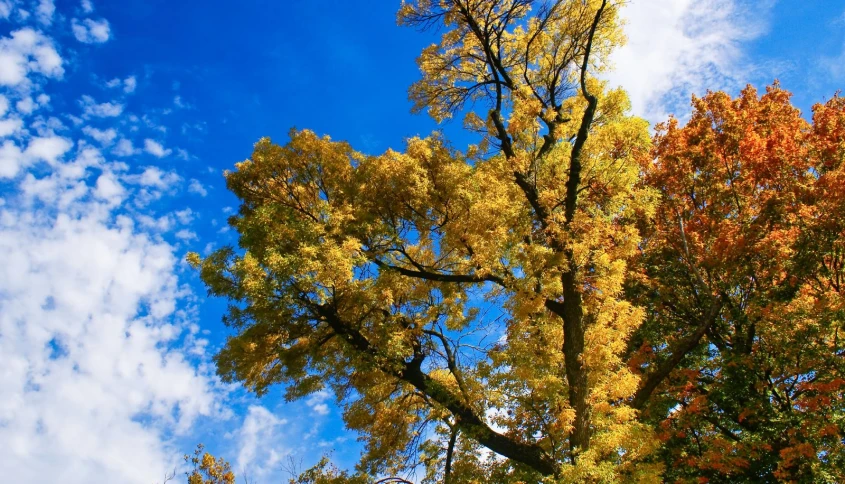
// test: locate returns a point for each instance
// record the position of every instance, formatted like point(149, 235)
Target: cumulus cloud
point(47, 149)
point(25, 52)
point(45, 11)
point(679, 47)
point(11, 159)
point(5, 8)
point(156, 149)
point(94, 375)
point(317, 402)
point(87, 6)
point(9, 127)
point(89, 31)
point(124, 147)
point(155, 177)
point(128, 85)
point(185, 235)
point(81, 366)
point(92, 108)
point(103, 136)
point(109, 188)
point(103, 366)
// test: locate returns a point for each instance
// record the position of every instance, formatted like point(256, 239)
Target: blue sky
point(117, 120)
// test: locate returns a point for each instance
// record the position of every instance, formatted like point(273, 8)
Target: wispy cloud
point(196, 187)
point(128, 85)
point(679, 47)
point(100, 110)
point(45, 11)
point(258, 441)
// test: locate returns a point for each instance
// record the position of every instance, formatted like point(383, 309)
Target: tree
point(583, 306)
point(372, 273)
point(208, 469)
point(741, 278)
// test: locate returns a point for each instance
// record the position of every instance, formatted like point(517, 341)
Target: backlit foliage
point(587, 306)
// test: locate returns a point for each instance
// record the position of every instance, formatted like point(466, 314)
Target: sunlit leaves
point(748, 225)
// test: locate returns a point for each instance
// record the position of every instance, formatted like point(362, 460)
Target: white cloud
point(25, 105)
point(186, 235)
point(91, 31)
point(196, 187)
point(102, 365)
point(25, 52)
point(11, 159)
point(679, 47)
point(9, 127)
point(155, 177)
point(109, 188)
point(95, 378)
point(185, 216)
point(183, 154)
point(180, 103)
point(103, 136)
point(48, 149)
point(100, 110)
point(129, 84)
point(45, 11)
point(82, 369)
point(257, 441)
point(124, 147)
point(317, 402)
point(5, 8)
point(87, 6)
point(156, 149)
point(160, 224)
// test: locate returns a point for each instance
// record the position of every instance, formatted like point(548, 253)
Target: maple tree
point(586, 304)
point(741, 279)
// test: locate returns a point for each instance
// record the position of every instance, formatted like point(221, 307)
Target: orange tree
point(741, 277)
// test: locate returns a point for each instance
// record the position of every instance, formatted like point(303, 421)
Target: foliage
point(208, 469)
point(746, 253)
point(566, 300)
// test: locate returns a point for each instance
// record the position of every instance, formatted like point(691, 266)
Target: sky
point(117, 120)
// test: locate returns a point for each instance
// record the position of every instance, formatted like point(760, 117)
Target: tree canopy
point(567, 300)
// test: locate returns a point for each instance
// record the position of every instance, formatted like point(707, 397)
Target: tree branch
point(531, 455)
point(678, 352)
point(586, 122)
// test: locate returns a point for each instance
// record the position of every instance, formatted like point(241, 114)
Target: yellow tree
point(457, 300)
point(208, 469)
